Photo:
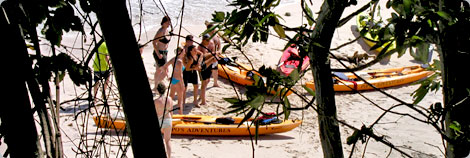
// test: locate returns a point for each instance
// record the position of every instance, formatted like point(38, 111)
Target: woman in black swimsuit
point(192, 61)
point(160, 46)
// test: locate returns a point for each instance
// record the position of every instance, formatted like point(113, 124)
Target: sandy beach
point(413, 137)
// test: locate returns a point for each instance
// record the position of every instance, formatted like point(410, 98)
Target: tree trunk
point(133, 85)
point(17, 118)
point(456, 88)
point(327, 22)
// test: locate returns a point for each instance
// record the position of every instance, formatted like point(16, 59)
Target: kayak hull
point(384, 78)
point(240, 75)
point(288, 65)
point(205, 125)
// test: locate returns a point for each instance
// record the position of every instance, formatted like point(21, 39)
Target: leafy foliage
point(415, 26)
point(256, 27)
point(63, 19)
point(432, 83)
point(257, 95)
point(44, 68)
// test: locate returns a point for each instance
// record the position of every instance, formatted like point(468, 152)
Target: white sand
point(417, 139)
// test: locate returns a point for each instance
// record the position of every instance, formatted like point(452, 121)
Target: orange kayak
point(241, 74)
point(207, 125)
point(381, 78)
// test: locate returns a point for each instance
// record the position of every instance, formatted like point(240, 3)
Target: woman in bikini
point(163, 107)
point(192, 61)
point(176, 81)
point(160, 45)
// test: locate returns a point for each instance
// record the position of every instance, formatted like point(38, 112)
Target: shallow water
point(195, 11)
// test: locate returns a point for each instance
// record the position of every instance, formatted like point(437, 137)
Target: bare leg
point(184, 95)
point(96, 87)
point(180, 90)
point(215, 75)
point(158, 77)
point(173, 91)
point(196, 89)
point(203, 91)
point(95, 91)
point(166, 138)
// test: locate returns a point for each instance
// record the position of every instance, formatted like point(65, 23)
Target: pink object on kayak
point(290, 60)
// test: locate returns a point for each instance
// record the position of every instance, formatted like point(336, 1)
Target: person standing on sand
point(160, 46)
point(163, 107)
point(101, 68)
point(216, 42)
point(206, 47)
point(192, 62)
point(177, 83)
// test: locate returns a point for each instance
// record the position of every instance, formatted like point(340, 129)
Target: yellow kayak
point(207, 125)
point(362, 20)
point(382, 78)
point(237, 74)
point(241, 74)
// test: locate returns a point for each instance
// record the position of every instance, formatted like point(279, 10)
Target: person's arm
point(170, 62)
point(209, 59)
point(200, 48)
point(188, 66)
point(169, 105)
point(199, 62)
point(217, 44)
point(155, 41)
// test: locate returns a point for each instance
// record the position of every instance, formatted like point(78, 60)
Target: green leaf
point(444, 15)
point(232, 100)
point(294, 75)
point(309, 90)
point(257, 101)
point(456, 127)
point(247, 116)
point(218, 16)
point(234, 110)
point(286, 106)
point(353, 138)
point(209, 30)
point(422, 52)
point(261, 23)
point(238, 16)
point(407, 7)
point(225, 47)
point(280, 31)
point(309, 14)
point(421, 92)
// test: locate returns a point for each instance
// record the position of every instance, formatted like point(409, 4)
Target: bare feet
point(196, 104)
point(203, 103)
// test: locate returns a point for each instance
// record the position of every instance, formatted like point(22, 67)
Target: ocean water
point(195, 11)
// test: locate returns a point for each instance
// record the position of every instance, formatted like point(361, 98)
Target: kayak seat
point(250, 74)
point(225, 120)
point(341, 75)
point(290, 66)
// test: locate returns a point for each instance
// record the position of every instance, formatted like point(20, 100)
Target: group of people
point(189, 61)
